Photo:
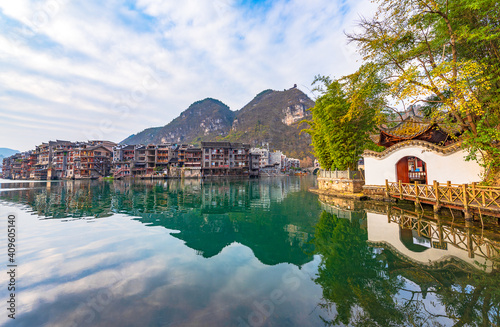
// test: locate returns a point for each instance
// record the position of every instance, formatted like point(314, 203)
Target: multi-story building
point(264, 156)
point(90, 160)
point(193, 158)
point(275, 159)
point(16, 166)
point(45, 152)
point(162, 155)
point(139, 163)
point(7, 167)
point(293, 163)
point(225, 158)
point(254, 164)
point(153, 160)
point(61, 154)
point(123, 156)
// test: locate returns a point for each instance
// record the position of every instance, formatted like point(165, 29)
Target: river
point(237, 253)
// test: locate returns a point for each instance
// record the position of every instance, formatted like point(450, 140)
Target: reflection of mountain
point(273, 217)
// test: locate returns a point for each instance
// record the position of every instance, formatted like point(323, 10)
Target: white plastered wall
point(381, 231)
point(442, 168)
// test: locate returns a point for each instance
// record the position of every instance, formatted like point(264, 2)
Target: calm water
point(238, 253)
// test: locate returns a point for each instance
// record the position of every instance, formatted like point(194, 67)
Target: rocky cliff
point(272, 117)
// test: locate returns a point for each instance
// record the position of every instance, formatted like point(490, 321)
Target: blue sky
point(78, 70)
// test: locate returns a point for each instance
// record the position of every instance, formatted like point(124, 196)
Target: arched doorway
point(410, 170)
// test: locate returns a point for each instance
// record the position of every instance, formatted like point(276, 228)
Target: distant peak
point(209, 100)
point(264, 93)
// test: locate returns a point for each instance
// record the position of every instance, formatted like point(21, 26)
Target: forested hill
point(203, 120)
point(271, 117)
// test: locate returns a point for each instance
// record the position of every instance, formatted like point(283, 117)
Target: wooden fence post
point(467, 213)
point(400, 190)
point(417, 201)
point(387, 189)
point(473, 191)
point(437, 206)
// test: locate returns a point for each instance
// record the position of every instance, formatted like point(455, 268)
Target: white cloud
point(92, 61)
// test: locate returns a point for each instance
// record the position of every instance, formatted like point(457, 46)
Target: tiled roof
point(443, 150)
point(408, 128)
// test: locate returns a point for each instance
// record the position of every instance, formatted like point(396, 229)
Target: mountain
point(203, 120)
point(6, 152)
point(272, 117)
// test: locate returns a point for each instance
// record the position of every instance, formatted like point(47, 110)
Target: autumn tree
point(443, 54)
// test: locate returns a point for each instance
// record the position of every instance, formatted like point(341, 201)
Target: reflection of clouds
point(118, 271)
point(142, 277)
point(136, 276)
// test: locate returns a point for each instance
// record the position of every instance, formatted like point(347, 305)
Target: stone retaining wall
point(341, 185)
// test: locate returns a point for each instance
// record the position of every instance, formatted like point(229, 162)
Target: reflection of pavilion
point(432, 244)
point(424, 241)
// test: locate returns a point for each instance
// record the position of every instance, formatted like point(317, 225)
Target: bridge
point(470, 198)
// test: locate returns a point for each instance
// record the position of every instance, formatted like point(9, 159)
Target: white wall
point(442, 168)
point(381, 231)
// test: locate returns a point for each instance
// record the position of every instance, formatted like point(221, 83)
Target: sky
point(81, 70)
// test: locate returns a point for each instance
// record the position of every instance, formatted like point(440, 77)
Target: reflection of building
point(296, 235)
point(207, 216)
point(419, 151)
point(430, 244)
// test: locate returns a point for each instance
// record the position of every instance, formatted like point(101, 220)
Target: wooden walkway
point(442, 234)
point(470, 198)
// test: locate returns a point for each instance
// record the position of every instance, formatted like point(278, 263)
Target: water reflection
point(271, 217)
point(388, 266)
point(188, 253)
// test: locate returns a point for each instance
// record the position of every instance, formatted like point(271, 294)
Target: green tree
point(351, 275)
point(445, 54)
point(344, 115)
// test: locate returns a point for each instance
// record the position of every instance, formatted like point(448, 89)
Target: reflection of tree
point(473, 299)
point(368, 287)
point(350, 274)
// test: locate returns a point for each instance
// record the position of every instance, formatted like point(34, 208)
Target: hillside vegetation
point(272, 117)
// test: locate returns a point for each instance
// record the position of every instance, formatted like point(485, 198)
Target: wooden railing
point(416, 175)
point(466, 196)
point(474, 244)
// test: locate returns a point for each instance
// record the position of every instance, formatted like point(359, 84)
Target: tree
point(342, 118)
point(443, 53)
point(351, 276)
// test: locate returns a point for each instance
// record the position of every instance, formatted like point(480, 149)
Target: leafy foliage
point(343, 117)
point(444, 54)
